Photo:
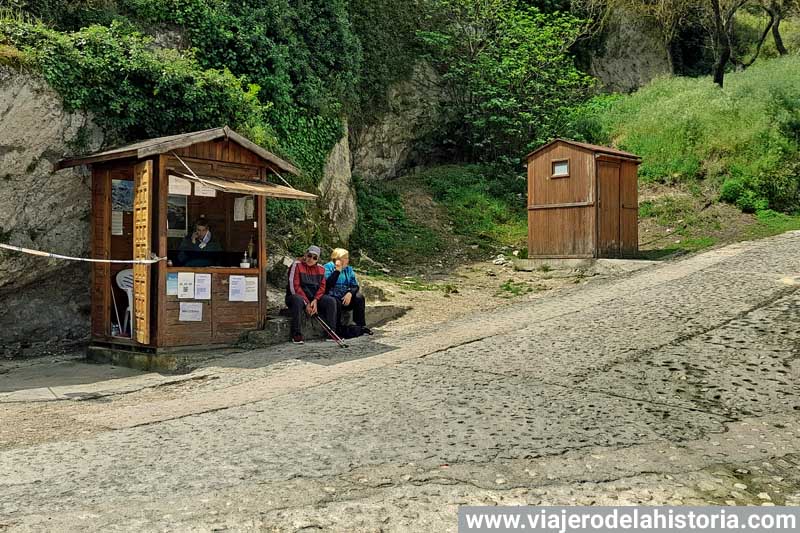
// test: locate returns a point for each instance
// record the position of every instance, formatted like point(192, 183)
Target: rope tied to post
point(153, 257)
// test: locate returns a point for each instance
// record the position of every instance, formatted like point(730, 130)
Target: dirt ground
point(481, 286)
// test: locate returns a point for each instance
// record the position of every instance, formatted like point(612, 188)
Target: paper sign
point(191, 312)
point(172, 283)
point(186, 285)
point(116, 223)
point(202, 286)
point(239, 209)
point(236, 288)
point(250, 289)
point(204, 190)
point(179, 186)
point(249, 207)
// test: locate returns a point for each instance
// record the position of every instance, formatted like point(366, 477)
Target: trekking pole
point(332, 334)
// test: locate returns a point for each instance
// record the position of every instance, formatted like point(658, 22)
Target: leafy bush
point(745, 138)
point(300, 53)
point(508, 76)
point(135, 91)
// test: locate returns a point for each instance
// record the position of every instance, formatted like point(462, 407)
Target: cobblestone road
point(677, 384)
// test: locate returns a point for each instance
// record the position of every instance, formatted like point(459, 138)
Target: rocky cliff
point(632, 53)
point(336, 190)
point(42, 209)
point(386, 147)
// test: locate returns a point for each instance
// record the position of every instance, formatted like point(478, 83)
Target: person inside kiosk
point(199, 249)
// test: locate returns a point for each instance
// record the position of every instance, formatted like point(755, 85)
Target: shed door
point(608, 212)
point(142, 192)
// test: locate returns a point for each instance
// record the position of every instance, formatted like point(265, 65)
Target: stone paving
point(673, 385)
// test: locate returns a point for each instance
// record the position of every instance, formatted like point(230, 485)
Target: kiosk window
point(560, 168)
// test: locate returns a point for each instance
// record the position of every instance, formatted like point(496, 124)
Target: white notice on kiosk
point(191, 312)
point(201, 189)
point(179, 186)
point(202, 286)
point(235, 288)
point(186, 285)
point(250, 289)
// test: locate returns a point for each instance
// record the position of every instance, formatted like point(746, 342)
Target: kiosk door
point(142, 193)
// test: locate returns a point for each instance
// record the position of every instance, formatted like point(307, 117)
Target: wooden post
point(261, 220)
point(101, 249)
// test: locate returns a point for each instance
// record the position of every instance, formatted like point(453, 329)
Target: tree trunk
point(723, 31)
point(722, 46)
point(776, 34)
point(770, 24)
point(720, 64)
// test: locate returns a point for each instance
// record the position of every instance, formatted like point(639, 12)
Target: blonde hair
point(338, 253)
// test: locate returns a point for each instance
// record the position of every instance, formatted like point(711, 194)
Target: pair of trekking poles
point(331, 333)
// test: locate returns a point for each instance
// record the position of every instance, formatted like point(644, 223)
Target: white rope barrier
point(153, 257)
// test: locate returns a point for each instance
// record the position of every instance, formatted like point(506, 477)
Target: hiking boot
point(298, 339)
point(365, 330)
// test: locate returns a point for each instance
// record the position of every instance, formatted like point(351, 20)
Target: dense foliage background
point(287, 72)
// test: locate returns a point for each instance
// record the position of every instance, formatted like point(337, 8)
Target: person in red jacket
point(305, 291)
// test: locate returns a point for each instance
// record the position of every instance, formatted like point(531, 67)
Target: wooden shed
point(582, 201)
point(144, 199)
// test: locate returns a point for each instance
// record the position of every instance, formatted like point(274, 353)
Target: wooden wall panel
point(561, 232)
point(230, 319)
point(221, 150)
point(577, 187)
point(223, 320)
point(231, 170)
point(629, 216)
point(177, 333)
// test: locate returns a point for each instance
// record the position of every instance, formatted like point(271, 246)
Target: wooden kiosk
point(582, 201)
point(145, 197)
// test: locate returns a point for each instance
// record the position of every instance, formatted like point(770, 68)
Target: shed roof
point(591, 147)
point(160, 145)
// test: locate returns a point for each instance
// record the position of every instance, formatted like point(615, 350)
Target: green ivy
point(302, 53)
point(135, 91)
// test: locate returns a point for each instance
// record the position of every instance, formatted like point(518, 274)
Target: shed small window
point(560, 168)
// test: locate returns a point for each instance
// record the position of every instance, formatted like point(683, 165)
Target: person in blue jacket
point(341, 283)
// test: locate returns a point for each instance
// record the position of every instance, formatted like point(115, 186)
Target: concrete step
point(277, 330)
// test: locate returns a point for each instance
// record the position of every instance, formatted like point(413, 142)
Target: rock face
point(42, 209)
point(386, 148)
point(634, 54)
point(337, 192)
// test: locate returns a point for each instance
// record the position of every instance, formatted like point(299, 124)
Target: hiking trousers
point(358, 305)
point(326, 308)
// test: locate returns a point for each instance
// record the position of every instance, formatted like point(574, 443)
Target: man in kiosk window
point(305, 291)
point(198, 242)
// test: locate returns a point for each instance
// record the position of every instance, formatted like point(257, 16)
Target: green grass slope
point(743, 140)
